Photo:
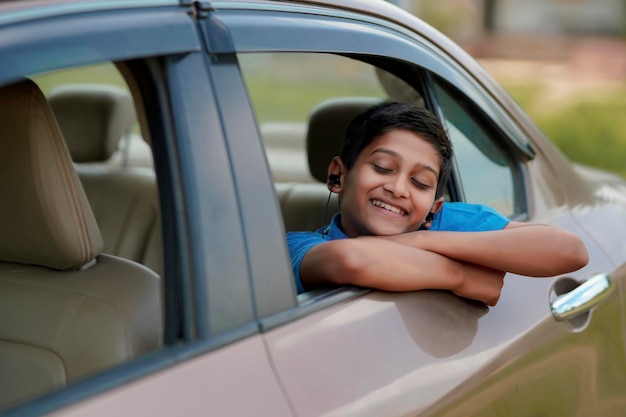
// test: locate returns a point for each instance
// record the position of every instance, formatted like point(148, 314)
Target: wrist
point(457, 276)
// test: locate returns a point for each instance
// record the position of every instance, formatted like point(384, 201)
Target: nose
point(397, 186)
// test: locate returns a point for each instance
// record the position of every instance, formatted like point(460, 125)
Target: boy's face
point(391, 187)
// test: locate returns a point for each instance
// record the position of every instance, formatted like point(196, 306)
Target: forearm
point(389, 266)
point(525, 249)
point(384, 265)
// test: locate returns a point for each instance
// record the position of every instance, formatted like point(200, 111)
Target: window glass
point(486, 169)
point(303, 104)
point(132, 149)
point(286, 88)
point(67, 317)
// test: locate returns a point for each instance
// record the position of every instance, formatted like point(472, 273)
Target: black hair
point(388, 116)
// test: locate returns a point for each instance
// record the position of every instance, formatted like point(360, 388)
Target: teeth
point(386, 206)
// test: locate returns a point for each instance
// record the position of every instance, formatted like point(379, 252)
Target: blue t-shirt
point(453, 217)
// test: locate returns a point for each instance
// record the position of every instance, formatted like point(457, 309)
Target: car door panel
point(242, 342)
point(375, 353)
point(235, 381)
point(552, 362)
point(209, 296)
point(415, 353)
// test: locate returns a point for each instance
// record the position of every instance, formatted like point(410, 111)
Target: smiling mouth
point(389, 207)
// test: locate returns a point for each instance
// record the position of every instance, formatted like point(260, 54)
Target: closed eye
point(380, 169)
point(420, 185)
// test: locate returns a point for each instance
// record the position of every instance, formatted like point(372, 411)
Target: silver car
point(154, 154)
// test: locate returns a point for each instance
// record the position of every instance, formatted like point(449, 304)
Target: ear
point(336, 167)
point(437, 204)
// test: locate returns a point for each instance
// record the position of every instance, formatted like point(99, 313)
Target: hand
point(480, 283)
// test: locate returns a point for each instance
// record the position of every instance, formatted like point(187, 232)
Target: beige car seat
point(303, 205)
point(67, 310)
point(94, 120)
point(327, 126)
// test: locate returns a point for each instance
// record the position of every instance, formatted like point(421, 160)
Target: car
point(155, 153)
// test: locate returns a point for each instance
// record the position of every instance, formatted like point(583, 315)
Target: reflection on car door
point(432, 353)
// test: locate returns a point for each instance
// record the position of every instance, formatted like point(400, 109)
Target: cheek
point(368, 180)
point(359, 187)
point(423, 202)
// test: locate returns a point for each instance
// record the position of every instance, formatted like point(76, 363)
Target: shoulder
point(303, 238)
point(468, 217)
point(298, 244)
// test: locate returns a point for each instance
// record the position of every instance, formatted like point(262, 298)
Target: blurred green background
point(589, 127)
point(564, 62)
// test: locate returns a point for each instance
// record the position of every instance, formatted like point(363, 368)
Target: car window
point(112, 150)
point(303, 103)
point(487, 171)
point(96, 114)
point(81, 144)
point(96, 84)
point(73, 317)
point(286, 87)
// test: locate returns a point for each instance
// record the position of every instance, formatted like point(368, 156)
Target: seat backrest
point(286, 152)
point(306, 205)
point(94, 120)
point(327, 126)
point(67, 310)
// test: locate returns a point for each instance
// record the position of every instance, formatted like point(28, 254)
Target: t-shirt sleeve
point(299, 244)
point(465, 217)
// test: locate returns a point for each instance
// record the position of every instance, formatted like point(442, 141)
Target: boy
point(394, 232)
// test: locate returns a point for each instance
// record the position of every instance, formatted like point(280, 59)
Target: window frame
point(516, 159)
point(305, 29)
point(171, 74)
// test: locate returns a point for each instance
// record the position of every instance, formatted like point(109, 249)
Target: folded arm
point(537, 250)
point(391, 266)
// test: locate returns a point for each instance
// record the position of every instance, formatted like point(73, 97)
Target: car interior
point(303, 204)
point(95, 121)
point(69, 308)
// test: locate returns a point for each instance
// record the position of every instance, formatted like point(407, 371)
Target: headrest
point(45, 218)
point(326, 128)
point(93, 119)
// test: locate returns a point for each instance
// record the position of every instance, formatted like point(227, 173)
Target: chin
point(387, 231)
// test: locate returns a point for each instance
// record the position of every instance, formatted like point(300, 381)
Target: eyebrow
point(396, 155)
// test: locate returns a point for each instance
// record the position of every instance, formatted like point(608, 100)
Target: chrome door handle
point(582, 298)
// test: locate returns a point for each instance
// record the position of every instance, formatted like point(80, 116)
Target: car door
point(211, 358)
point(350, 351)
